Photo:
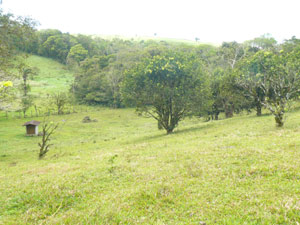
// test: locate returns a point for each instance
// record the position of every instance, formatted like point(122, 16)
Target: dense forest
point(167, 81)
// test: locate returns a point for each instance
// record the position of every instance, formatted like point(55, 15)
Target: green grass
point(52, 77)
point(122, 170)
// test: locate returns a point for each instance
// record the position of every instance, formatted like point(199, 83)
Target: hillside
point(53, 76)
point(122, 170)
point(224, 148)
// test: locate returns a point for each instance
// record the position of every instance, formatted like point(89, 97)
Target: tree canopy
point(166, 87)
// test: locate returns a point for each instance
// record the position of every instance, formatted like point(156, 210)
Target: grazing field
point(122, 170)
point(52, 77)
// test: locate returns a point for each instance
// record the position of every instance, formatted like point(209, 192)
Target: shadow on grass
point(145, 138)
point(203, 126)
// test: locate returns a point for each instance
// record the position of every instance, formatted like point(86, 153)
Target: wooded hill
point(167, 81)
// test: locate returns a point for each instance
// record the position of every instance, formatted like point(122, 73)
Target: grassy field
point(52, 76)
point(122, 170)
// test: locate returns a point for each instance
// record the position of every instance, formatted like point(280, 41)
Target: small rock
point(87, 119)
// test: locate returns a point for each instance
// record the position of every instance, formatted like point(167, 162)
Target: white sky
point(210, 20)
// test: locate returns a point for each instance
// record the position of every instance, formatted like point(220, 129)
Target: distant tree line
point(168, 81)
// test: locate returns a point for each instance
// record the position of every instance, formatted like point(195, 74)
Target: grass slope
point(122, 170)
point(52, 77)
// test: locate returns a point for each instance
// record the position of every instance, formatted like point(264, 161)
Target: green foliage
point(90, 83)
point(26, 72)
point(249, 79)
point(58, 47)
point(273, 79)
point(167, 87)
point(14, 32)
point(221, 62)
point(231, 53)
point(60, 101)
point(99, 77)
point(264, 42)
point(77, 53)
point(5, 95)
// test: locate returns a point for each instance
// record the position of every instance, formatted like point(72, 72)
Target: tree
point(94, 46)
point(14, 32)
point(90, 84)
point(167, 87)
point(98, 79)
point(48, 129)
point(4, 88)
point(250, 72)
point(264, 42)
point(122, 61)
point(26, 72)
point(277, 77)
point(230, 53)
point(60, 100)
point(58, 46)
point(77, 54)
point(249, 66)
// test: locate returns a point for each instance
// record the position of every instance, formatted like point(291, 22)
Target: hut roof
point(32, 122)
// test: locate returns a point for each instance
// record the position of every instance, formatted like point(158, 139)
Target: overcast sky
point(210, 20)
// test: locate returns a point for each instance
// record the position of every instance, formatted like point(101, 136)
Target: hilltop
point(151, 38)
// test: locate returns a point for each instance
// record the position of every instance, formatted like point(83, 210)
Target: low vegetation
point(122, 170)
point(48, 129)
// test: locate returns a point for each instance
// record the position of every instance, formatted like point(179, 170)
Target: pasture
point(122, 170)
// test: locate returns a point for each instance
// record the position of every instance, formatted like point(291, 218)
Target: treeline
point(169, 81)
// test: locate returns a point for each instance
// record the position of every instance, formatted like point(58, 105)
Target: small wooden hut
point(32, 127)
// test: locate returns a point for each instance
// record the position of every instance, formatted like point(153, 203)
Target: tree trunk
point(258, 109)
point(159, 125)
point(279, 120)
point(169, 130)
point(229, 111)
point(217, 116)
